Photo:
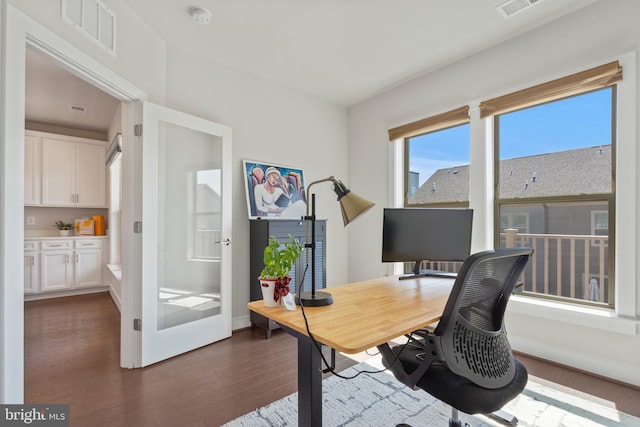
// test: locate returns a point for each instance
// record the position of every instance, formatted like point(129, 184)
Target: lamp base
point(320, 299)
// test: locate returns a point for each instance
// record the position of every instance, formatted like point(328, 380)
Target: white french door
point(186, 229)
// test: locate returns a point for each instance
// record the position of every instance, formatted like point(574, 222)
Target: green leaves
point(61, 225)
point(279, 258)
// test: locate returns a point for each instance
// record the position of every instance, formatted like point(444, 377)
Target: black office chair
point(467, 361)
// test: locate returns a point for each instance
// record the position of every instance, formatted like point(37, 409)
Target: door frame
point(18, 31)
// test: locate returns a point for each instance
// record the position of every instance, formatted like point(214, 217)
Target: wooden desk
point(363, 315)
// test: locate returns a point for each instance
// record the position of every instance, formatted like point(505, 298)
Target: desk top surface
point(369, 313)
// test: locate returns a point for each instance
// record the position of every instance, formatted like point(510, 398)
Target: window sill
point(116, 271)
point(588, 317)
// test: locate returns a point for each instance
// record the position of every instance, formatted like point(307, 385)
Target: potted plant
point(64, 227)
point(274, 279)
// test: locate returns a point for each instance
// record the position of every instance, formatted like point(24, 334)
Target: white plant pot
point(268, 286)
point(65, 232)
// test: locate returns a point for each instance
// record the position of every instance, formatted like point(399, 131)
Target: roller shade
point(441, 121)
point(584, 81)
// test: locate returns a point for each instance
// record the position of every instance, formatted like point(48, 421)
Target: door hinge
point(137, 227)
point(137, 324)
point(137, 130)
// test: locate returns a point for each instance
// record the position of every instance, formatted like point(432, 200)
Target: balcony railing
point(566, 266)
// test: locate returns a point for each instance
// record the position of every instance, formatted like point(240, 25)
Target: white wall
point(273, 125)
point(588, 37)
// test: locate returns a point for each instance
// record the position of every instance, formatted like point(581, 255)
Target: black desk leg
point(309, 384)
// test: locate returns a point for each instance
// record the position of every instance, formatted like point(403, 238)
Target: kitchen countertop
point(49, 236)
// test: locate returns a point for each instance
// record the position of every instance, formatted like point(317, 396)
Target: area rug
point(372, 400)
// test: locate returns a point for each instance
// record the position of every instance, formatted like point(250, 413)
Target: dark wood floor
point(72, 354)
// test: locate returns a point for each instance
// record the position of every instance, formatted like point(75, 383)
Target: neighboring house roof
point(580, 171)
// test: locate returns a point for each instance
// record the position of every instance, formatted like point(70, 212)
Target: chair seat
point(458, 391)
point(468, 397)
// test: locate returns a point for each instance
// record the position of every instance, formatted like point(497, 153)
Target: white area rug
point(372, 400)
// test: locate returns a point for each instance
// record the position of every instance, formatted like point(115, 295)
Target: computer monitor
point(426, 234)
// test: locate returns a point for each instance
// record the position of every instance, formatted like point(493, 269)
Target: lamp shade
point(352, 206)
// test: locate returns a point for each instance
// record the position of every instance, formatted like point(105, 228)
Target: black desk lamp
point(352, 206)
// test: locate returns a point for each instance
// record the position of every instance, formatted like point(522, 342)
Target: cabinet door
point(56, 271)
point(32, 194)
point(58, 172)
point(88, 268)
point(90, 176)
point(31, 281)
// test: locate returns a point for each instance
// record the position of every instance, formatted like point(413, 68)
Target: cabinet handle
point(67, 258)
point(77, 258)
point(55, 246)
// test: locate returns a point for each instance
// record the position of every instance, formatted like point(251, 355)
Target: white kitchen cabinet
point(67, 264)
point(32, 193)
point(57, 268)
point(31, 267)
point(88, 263)
point(73, 172)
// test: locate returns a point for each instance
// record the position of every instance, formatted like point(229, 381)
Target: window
point(114, 166)
point(436, 159)
point(600, 223)
point(554, 184)
point(438, 168)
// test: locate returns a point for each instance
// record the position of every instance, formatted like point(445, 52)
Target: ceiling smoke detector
point(512, 7)
point(200, 15)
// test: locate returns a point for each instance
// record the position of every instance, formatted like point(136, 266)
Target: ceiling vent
point(512, 7)
point(94, 19)
point(77, 109)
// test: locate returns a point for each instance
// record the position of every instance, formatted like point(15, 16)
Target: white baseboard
point(241, 322)
point(116, 298)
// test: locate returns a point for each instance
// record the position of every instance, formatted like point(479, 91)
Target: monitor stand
point(427, 273)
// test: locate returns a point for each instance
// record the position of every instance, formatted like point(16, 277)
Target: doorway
point(59, 103)
point(21, 32)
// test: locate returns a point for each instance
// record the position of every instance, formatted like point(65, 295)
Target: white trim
point(396, 188)
point(480, 178)
point(11, 208)
point(574, 314)
point(627, 184)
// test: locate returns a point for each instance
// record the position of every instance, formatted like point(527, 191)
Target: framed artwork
point(274, 191)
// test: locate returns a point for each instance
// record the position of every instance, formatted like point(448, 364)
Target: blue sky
point(577, 122)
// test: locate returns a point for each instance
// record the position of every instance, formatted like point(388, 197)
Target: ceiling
point(340, 51)
point(55, 96)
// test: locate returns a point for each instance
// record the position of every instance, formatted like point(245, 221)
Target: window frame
point(609, 198)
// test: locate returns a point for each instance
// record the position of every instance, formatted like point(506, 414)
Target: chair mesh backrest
point(473, 341)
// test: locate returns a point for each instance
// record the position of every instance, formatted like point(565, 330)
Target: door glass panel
point(189, 223)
